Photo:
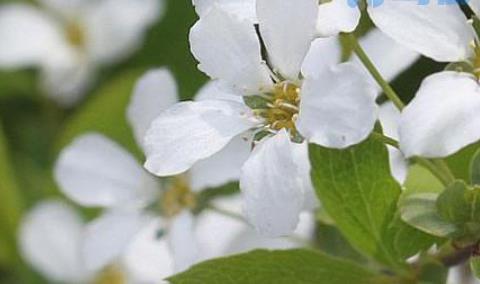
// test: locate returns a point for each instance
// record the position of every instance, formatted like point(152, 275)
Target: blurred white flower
point(68, 40)
point(329, 104)
point(96, 172)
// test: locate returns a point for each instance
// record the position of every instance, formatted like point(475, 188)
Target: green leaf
point(418, 203)
point(475, 266)
point(452, 204)
point(105, 113)
point(475, 168)
point(357, 190)
point(460, 162)
point(277, 267)
point(420, 211)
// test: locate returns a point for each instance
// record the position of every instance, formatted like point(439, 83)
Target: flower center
point(75, 34)
point(279, 109)
point(110, 275)
point(177, 197)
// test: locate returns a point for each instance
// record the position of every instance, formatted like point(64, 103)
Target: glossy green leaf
point(277, 267)
point(420, 210)
point(460, 162)
point(452, 204)
point(357, 190)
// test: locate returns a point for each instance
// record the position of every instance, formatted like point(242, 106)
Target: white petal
point(287, 29)
point(115, 28)
point(389, 57)
point(68, 79)
point(182, 241)
point(337, 16)
point(154, 92)
point(460, 274)
point(389, 117)
point(192, 131)
point(437, 31)
point(64, 8)
point(271, 187)
point(49, 240)
point(215, 231)
point(228, 49)
point(443, 117)
point(28, 35)
point(338, 108)
point(323, 53)
point(221, 168)
point(243, 9)
point(302, 160)
point(108, 237)
point(216, 90)
point(94, 171)
point(148, 258)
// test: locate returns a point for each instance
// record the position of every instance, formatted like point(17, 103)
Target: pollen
point(281, 109)
point(177, 197)
point(110, 275)
point(75, 34)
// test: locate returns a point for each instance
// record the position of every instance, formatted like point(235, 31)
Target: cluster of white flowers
point(278, 84)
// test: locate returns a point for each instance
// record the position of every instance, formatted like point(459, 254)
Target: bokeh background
point(33, 129)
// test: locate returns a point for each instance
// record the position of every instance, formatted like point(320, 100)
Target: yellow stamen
point(178, 197)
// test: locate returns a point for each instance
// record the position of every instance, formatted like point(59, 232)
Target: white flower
point(440, 32)
point(331, 105)
point(51, 237)
point(442, 118)
point(69, 40)
point(96, 172)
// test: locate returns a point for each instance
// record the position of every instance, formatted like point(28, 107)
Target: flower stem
point(387, 89)
point(438, 167)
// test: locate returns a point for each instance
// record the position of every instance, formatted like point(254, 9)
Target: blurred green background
point(33, 129)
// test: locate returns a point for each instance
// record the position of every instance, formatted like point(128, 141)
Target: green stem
point(385, 139)
point(438, 167)
point(387, 89)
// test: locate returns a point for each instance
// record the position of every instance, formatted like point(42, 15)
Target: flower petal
point(68, 79)
point(271, 187)
point(64, 8)
point(337, 16)
point(191, 131)
point(243, 9)
point(390, 119)
point(228, 49)
point(216, 90)
point(443, 117)
point(29, 37)
point(148, 258)
point(154, 92)
point(338, 108)
point(182, 242)
point(221, 168)
point(115, 28)
point(108, 237)
point(49, 240)
point(94, 171)
point(287, 29)
point(437, 31)
point(323, 53)
point(389, 57)
point(302, 160)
